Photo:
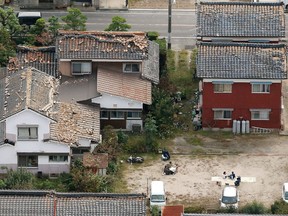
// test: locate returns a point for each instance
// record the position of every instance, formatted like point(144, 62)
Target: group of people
point(169, 169)
point(232, 176)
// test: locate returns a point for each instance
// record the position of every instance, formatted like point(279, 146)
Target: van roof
point(157, 187)
point(285, 185)
point(29, 14)
point(230, 191)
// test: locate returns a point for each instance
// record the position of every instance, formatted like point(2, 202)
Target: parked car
point(28, 18)
point(229, 197)
point(285, 192)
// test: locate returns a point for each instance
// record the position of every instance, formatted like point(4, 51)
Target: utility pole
point(169, 23)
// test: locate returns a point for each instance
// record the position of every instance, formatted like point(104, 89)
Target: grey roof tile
point(241, 61)
point(28, 89)
point(240, 19)
point(41, 58)
point(15, 203)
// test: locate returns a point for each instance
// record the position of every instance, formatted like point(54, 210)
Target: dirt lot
point(261, 156)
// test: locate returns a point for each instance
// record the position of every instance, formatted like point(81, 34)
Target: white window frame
point(264, 88)
point(104, 116)
point(83, 64)
point(126, 70)
point(222, 87)
point(134, 114)
point(28, 161)
point(264, 114)
point(222, 112)
point(58, 158)
point(119, 114)
point(29, 130)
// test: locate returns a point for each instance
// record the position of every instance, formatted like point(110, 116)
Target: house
point(97, 163)
point(33, 203)
point(241, 63)
point(113, 69)
point(36, 131)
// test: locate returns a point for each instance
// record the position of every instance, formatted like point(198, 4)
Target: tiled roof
point(240, 19)
point(41, 58)
point(176, 210)
point(28, 89)
point(227, 214)
point(45, 203)
point(102, 45)
point(99, 160)
point(76, 121)
point(241, 61)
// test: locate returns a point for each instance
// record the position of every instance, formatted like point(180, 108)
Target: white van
point(230, 197)
point(157, 194)
point(285, 192)
point(28, 18)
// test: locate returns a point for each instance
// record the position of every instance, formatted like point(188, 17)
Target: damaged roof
point(47, 203)
point(28, 89)
point(241, 61)
point(109, 46)
point(76, 121)
point(41, 58)
point(240, 19)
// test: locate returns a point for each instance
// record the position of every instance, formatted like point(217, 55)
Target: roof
point(110, 46)
point(47, 203)
point(229, 191)
point(227, 214)
point(240, 19)
point(41, 58)
point(176, 210)
point(285, 185)
point(29, 14)
point(76, 121)
point(28, 89)
point(241, 61)
point(99, 160)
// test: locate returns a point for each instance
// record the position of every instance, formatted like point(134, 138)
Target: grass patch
point(120, 185)
point(194, 140)
point(218, 135)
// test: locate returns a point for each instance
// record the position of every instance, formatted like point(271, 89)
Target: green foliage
point(39, 27)
point(135, 144)
point(162, 56)
point(194, 209)
point(74, 20)
point(112, 168)
point(155, 211)
point(118, 24)
point(122, 137)
point(193, 57)
point(7, 47)
point(254, 208)
point(51, 184)
point(230, 209)
point(162, 111)
point(19, 179)
point(150, 129)
point(279, 207)
point(2, 184)
point(54, 25)
point(152, 35)
point(9, 22)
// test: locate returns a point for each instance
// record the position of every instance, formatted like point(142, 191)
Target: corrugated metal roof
point(241, 61)
point(45, 203)
point(240, 19)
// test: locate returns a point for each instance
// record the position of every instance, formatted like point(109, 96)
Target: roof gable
point(28, 89)
point(241, 61)
point(239, 19)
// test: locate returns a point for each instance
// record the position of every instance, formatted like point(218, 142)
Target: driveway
point(262, 157)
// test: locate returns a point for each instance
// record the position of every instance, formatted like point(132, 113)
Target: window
point(131, 68)
point(80, 68)
point(133, 115)
point(222, 114)
point(28, 161)
point(104, 114)
point(27, 133)
point(116, 115)
point(58, 158)
point(260, 114)
point(260, 88)
point(223, 88)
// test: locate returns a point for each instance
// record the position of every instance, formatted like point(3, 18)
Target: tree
point(118, 24)
point(150, 128)
point(9, 22)
point(39, 27)
point(54, 25)
point(74, 20)
point(7, 47)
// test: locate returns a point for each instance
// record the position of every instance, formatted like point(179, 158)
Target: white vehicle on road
point(285, 192)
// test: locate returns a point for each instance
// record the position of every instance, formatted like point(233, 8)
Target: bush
point(194, 209)
point(135, 144)
point(254, 208)
point(122, 137)
point(231, 209)
point(112, 168)
point(279, 207)
point(19, 179)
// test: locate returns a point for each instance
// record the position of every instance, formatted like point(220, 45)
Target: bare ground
point(263, 157)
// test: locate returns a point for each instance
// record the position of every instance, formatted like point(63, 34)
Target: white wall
point(8, 154)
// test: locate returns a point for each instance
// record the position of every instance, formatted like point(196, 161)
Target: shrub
point(122, 137)
point(254, 208)
point(279, 207)
point(135, 144)
point(230, 209)
point(112, 168)
point(19, 179)
point(194, 209)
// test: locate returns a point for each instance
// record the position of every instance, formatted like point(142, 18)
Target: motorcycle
point(165, 155)
point(136, 159)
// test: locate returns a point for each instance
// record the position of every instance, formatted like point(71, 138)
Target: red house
point(241, 67)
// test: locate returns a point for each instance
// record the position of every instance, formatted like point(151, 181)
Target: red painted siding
point(241, 100)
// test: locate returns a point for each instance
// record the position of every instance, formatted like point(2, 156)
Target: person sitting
point(232, 175)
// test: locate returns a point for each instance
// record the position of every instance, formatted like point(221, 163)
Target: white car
point(285, 192)
point(229, 197)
